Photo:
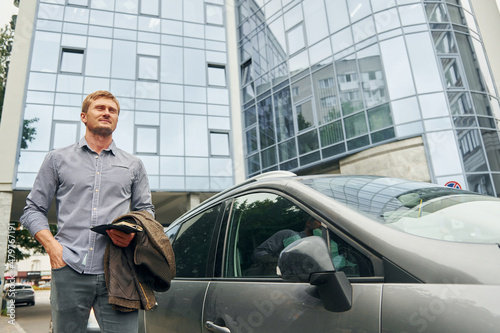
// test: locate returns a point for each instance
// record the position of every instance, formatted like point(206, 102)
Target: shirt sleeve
point(40, 198)
point(141, 193)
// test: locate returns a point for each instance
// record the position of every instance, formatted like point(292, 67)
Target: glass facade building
point(165, 61)
point(321, 80)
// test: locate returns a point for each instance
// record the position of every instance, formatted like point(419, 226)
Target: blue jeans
point(73, 295)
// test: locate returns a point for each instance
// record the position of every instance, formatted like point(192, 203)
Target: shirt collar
point(111, 148)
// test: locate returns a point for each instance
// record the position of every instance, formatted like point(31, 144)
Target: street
point(31, 319)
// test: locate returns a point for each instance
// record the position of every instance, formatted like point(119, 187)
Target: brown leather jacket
point(146, 265)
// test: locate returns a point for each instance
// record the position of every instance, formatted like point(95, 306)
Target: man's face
point(101, 117)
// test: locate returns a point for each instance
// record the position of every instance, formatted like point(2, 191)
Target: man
point(93, 182)
point(265, 256)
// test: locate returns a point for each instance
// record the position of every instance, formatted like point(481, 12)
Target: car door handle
point(216, 328)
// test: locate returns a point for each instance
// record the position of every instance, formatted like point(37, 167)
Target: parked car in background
point(287, 253)
point(46, 285)
point(19, 292)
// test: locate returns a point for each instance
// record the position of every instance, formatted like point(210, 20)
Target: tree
point(6, 40)
point(26, 245)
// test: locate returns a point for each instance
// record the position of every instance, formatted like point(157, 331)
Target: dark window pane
point(269, 157)
point(355, 125)
point(266, 123)
point(480, 183)
point(383, 135)
point(308, 142)
point(471, 148)
point(192, 244)
point(307, 159)
point(358, 143)
point(253, 164)
point(250, 117)
point(331, 133)
point(284, 115)
point(492, 146)
point(290, 165)
point(333, 150)
point(287, 150)
point(379, 117)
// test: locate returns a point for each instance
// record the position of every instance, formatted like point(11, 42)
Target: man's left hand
point(120, 238)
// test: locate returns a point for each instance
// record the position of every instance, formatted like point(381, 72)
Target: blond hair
point(95, 96)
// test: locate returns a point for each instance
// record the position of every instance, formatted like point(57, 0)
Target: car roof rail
point(273, 174)
point(266, 175)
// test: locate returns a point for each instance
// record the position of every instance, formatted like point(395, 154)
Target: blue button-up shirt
point(90, 189)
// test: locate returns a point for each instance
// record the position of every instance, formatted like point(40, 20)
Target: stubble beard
point(102, 131)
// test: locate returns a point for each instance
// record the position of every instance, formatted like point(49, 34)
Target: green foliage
point(28, 132)
point(6, 40)
point(26, 244)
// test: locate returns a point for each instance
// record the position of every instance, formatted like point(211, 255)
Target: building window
point(326, 83)
point(216, 75)
point(246, 72)
point(150, 7)
point(64, 133)
point(83, 3)
point(148, 68)
point(72, 61)
point(327, 102)
point(350, 77)
point(146, 139)
point(214, 14)
point(296, 39)
point(219, 144)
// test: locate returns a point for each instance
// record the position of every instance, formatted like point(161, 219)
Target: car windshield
point(421, 209)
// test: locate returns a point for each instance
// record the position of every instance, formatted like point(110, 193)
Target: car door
point(180, 308)
point(251, 297)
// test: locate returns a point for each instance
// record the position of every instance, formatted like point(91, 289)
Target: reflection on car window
point(425, 210)
point(348, 259)
point(192, 243)
point(261, 226)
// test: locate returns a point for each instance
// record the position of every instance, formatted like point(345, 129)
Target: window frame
point(214, 240)
point(326, 228)
point(136, 139)
point(69, 50)
point(158, 70)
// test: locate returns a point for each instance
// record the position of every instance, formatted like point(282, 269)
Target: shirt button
point(98, 172)
point(96, 157)
point(97, 190)
point(91, 248)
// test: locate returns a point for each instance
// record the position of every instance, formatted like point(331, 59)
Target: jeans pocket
point(59, 268)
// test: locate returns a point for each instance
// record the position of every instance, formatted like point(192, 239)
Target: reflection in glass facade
point(330, 78)
point(165, 61)
point(319, 80)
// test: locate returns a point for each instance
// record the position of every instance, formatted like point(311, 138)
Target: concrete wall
point(402, 159)
point(11, 124)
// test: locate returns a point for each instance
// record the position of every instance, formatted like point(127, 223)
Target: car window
point(347, 258)
point(261, 226)
point(192, 243)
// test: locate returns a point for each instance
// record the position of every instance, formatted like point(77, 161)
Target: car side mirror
point(308, 260)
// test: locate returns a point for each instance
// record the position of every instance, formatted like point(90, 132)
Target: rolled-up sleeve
point(40, 198)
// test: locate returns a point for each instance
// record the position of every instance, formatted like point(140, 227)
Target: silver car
point(334, 253)
point(20, 293)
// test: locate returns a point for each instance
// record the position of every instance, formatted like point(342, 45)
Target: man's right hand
point(53, 247)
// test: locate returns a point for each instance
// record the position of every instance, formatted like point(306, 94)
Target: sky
point(7, 8)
